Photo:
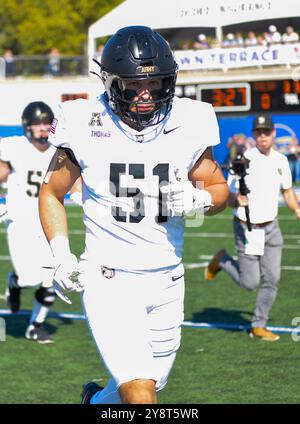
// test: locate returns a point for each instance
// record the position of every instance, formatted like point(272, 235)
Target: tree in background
point(32, 27)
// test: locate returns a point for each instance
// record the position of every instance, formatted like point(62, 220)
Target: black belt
point(260, 225)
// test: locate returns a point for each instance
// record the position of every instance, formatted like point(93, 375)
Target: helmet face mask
point(138, 54)
point(36, 119)
point(38, 132)
point(138, 112)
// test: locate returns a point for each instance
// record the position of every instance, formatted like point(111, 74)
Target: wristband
point(60, 246)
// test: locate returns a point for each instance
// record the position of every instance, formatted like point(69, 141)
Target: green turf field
point(212, 366)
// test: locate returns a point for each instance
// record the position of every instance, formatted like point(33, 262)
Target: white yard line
point(188, 235)
point(230, 235)
point(190, 324)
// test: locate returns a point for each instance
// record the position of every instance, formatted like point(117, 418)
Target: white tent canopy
point(163, 14)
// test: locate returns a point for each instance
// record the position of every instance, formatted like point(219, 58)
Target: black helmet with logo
point(138, 53)
point(36, 113)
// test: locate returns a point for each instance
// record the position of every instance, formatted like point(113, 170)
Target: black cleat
point(89, 389)
point(13, 293)
point(37, 333)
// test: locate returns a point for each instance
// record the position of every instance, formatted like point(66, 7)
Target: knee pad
point(45, 296)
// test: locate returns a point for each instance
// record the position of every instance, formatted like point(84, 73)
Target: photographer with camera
point(238, 167)
point(265, 172)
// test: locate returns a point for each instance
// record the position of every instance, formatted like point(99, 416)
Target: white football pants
point(135, 320)
point(30, 254)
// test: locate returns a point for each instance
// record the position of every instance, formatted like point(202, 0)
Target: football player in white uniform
point(145, 159)
point(24, 161)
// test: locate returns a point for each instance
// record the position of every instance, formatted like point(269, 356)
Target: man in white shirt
point(259, 250)
point(275, 36)
point(290, 36)
point(24, 161)
point(251, 39)
point(145, 159)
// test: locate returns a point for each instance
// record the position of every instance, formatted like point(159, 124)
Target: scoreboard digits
point(226, 97)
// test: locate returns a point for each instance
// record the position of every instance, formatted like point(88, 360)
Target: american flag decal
point(53, 126)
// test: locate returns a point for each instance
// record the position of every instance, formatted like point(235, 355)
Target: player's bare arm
point(291, 200)
point(61, 176)
point(207, 171)
point(4, 171)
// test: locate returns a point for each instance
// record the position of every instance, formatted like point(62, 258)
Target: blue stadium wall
point(286, 126)
point(7, 131)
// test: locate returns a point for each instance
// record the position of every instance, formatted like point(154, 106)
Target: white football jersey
point(125, 214)
point(28, 168)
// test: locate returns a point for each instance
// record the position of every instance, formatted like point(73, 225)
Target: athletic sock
point(39, 313)
point(109, 395)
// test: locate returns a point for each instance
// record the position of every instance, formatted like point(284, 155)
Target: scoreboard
point(282, 95)
point(226, 97)
point(254, 96)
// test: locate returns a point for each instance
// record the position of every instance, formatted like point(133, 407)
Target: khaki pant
point(249, 270)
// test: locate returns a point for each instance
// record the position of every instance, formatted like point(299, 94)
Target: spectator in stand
point(267, 37)
point(261, 40)
point(239, 39)
point(201, 43)
point(215, 44)
point(290, 36)
point(229, 41)
point(9, 63)
point(274, 35)
point(251, 39)
point(53, 67)
point(186, 45)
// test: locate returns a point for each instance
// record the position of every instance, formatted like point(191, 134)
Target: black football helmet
point(135, 53)
point(36, 113)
